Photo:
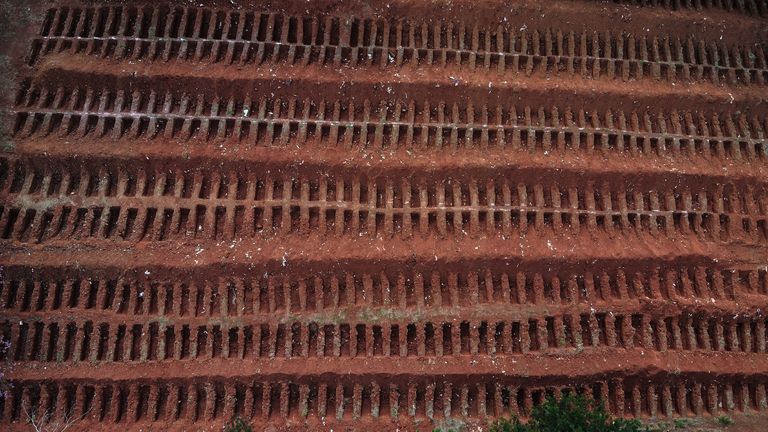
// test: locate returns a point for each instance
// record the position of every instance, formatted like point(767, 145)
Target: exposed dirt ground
point(382, 215)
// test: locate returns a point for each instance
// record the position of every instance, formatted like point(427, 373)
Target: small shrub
point(724, 420)
point(238, 425)
point(681, 423)
point(568, 414)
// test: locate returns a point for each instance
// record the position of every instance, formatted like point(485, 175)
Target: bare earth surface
point(372, 215)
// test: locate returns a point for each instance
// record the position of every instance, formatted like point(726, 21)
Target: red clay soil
point(382, 215)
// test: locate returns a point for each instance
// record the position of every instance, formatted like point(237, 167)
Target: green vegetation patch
point(570, 413)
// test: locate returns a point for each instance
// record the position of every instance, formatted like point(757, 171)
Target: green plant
point(570, 413)
point(681, 423)
point(724, 420)
point(238, 425)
